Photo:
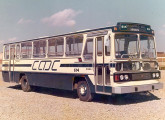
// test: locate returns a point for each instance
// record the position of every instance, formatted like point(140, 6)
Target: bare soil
point(52, 104)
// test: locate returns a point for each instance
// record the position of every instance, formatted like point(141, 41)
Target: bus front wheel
point(84, 92)
point(25, 84)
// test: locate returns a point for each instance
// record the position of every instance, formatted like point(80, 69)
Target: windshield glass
point(126, 46)
point(147, 46)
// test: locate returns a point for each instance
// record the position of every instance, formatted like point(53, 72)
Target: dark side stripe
point(17, 65)
point(62, 65)
point(85, 65)
point(76, 65)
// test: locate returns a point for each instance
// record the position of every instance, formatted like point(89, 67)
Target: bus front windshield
point(147, 46)
point(127, 46)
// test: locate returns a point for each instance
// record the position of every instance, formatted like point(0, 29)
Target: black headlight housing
point(123, 77)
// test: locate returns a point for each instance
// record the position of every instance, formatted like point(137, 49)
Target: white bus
point(112, 60)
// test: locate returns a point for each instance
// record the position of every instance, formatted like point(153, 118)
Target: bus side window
point(39, 49)
point(17, 51)
point(26, 49)
point(74, 45)
point(88, 51)
point(56, 47)
point(100, 46)
point(60, 47)
point(6, 53)
point(107, 47)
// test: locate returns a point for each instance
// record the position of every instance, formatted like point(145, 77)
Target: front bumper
point(138, 88)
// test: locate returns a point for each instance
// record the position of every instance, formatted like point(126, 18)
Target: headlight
point(157, 75)
point(121, 77)
point(126, 77)
point(153, 75)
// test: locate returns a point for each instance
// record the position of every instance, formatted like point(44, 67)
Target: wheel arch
point(20, 76)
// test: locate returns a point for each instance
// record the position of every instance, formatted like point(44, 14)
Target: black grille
point(141, 76)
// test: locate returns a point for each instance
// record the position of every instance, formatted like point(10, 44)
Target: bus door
point(11, 63)
point(102, 71)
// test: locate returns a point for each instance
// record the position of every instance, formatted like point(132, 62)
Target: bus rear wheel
point(84, 92)
point(25, 84)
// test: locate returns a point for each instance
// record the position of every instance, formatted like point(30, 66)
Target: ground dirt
point(52, 104)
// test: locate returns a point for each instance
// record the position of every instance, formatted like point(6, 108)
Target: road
point(51, 104)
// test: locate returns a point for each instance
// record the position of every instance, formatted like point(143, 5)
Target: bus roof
point(78, 32)
point(120, 27)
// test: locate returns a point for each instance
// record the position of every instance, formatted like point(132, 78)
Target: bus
point(112, 60)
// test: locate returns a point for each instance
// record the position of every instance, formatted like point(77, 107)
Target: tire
point(83, 91)
point(25, 84)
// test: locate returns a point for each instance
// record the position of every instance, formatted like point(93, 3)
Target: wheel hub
point(83, 90)
point(25, 82)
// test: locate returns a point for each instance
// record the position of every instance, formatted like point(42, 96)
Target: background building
point(161, 60)
point(1, 61)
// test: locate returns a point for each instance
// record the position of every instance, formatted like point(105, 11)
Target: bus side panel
point(5, 75)
point(51, 80)
point(92, 87)
point(16, 77)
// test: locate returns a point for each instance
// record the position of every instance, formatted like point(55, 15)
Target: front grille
point(141, 76)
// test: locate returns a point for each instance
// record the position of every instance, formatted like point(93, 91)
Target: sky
point(28, 19)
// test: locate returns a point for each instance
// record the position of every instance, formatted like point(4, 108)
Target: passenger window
point(6, 53)
point(39, 49)
point(88, 51)
point(26, 49)
point(17, 51)
point(12, 51)
point(107, 44)
point(56, 47)
point(99, 46)
point(74, 45)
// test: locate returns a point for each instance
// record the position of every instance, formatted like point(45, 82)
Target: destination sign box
point(133, 27)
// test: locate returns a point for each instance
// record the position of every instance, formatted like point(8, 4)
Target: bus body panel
point(137, 88)
point(61, 72)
